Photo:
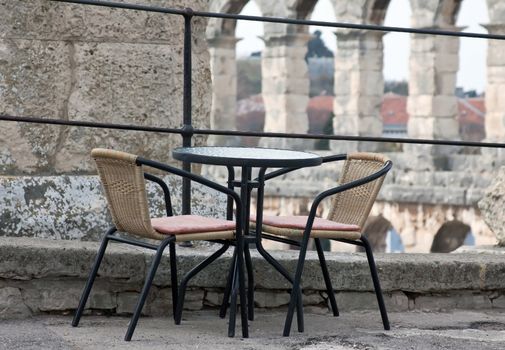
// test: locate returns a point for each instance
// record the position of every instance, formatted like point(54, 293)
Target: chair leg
point(376, 283)
point(326, 276)
point(190, 275)
point(91, 278)
point(250, 283)
point(296, 285)
point(147, 285)
point(173, 277)
point(233, 299)
point(227, 290)
point(299, 306)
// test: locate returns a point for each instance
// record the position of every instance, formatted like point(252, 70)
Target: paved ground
point(204, 330)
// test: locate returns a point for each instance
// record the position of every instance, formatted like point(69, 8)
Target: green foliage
point(327, 130)
point(397, 87)
point(248, 77)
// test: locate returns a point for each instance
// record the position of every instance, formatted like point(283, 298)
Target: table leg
point(270, 259)
point(239, 278)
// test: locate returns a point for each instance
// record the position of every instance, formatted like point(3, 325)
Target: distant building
point(394, 115)
point(471, 114)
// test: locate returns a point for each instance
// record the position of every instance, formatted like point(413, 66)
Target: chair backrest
point(353, 206)
point(123, 182)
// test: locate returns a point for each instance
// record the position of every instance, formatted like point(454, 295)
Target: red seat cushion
point(299, 223)
point(181, 224)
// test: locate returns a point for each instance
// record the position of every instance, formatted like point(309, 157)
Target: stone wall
point(47, 276)
point(73, 206)
point(93, 64)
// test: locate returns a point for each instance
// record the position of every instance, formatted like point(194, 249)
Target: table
point(247, 158)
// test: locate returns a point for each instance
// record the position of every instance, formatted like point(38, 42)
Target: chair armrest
point(276, 173)
point(166, 191)
point(197, 178)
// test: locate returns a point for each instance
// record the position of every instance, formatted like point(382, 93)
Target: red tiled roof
point(394, 109)
point(250, 114)
point(471, 110)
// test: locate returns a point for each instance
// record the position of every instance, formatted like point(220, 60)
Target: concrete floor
point(204, 330)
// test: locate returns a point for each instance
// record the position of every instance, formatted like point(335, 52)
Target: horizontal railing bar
point(250, 133)
point(373, 27)
point(351, 138)
point(38, 120)
point(126, 6)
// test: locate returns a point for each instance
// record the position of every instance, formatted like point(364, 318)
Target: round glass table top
point(246, 156)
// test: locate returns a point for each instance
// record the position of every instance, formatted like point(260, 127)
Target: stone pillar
point(285, 89)
point(359, 86)
point(495, 103)
point(223, 68)
point(432, 104)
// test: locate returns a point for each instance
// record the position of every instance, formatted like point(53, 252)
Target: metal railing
point(187, 131)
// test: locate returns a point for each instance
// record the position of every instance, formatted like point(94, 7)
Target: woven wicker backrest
point(353, 206)
point(123, 182)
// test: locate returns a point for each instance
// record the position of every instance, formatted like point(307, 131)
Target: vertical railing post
point(187, 127)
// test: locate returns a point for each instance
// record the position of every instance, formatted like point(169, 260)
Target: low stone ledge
point(38, 275)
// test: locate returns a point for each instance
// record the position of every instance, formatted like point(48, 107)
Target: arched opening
point(396, 70)
point(382, 235)
point(229, 40)
point(249, 33)
point(250, 114)
point(452, 235)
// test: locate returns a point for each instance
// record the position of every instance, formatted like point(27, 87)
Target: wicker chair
point(360, 181)
point(123, 179)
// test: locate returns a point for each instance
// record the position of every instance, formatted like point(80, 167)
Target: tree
point(316, 47)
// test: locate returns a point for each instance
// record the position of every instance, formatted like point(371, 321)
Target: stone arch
point(447, 12)
point(220, 26)
point(382, 236)
point(376, 11)
point(450, 236)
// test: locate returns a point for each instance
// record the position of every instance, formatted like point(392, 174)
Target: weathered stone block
point(282, 85)
point(492, 206)
point(126, 303)
point(270, 299)
point(75, 62)
point(194, 299)
point(12, 305)
point(59, 295)
point(461, 300)
point(213, 298)
point(445, 106)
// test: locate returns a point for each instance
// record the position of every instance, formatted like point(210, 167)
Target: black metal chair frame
point(295, 297)
point(178, 292)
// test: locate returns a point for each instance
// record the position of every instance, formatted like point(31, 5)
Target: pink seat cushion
point(181, 224)
point(299, 223)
